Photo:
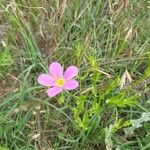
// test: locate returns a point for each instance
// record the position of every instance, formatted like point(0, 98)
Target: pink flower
point(57, 81)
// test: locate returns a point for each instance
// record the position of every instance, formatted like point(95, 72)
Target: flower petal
point(70, 72)
point(46, 80)
point(54, 91)
point(56, 69)
point(70, 85)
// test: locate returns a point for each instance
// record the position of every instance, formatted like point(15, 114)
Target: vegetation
point(109, 41)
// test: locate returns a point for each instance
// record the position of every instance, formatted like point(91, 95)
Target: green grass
point(104, 38)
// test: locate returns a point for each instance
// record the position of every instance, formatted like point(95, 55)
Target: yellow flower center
point(60, 82)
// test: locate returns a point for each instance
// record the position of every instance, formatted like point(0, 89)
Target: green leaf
point(147, 71)
point(121, 124)
point(80, 103)
point(95, 109)
point(61, 99)
point(4, 148)
point(121, 100)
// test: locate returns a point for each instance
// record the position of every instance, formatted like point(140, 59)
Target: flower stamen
point(60, 82)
